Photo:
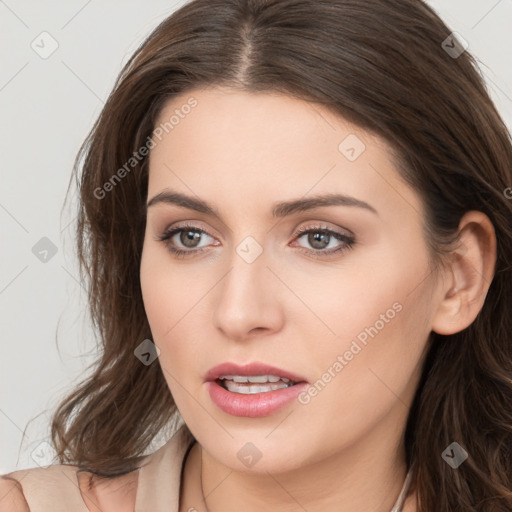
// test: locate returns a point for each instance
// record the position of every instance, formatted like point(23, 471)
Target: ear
point(470, 271)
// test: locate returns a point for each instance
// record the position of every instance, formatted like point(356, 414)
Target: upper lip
point(253, 369)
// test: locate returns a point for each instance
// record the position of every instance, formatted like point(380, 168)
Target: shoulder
point(104, 494)
point(11, 495)
point(23, 489)
point(66, 485)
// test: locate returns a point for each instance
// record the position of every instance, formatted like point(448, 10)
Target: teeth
point(253, 388)
point(257, 379)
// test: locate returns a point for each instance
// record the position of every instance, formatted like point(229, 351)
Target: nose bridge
point(248, 262)
point(247, 296)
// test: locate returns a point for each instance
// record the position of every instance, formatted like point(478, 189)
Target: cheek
point(154, 292)
point(165, 289)
point(378, 319)
point(369, 369)
point(162, 294)
point(172, 301)
point(343, 302)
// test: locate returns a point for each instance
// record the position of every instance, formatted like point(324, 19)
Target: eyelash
point(318, 253)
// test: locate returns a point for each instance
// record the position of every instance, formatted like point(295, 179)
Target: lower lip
point(255, 405)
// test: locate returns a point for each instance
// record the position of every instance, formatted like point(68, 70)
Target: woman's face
point(346, 305)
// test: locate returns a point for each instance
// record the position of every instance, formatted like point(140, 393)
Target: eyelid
point(193, 225)
point(196, 226)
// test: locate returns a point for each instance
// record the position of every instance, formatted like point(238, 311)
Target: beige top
point(61, 487)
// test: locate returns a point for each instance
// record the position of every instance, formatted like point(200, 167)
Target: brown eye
point(183, 240)
point(319, 238)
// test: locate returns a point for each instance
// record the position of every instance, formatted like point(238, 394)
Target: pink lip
point(258, 404)
point(250, 369)
point(253, 406)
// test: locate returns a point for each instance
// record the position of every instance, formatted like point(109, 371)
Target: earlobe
point(470, 271)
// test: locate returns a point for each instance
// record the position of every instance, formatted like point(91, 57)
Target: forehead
point(269, 145)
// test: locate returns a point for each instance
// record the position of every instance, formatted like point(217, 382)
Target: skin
point(242, 152)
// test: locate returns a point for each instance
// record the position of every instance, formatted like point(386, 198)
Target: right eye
point(187, 236)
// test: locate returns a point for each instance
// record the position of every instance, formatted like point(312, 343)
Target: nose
point(249, 300)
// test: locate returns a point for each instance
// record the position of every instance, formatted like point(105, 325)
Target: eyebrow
point(279, 210)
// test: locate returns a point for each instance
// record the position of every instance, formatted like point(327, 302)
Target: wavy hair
point(384, 66)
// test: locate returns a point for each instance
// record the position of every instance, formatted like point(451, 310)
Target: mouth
point(252, 378)
point(254, 390)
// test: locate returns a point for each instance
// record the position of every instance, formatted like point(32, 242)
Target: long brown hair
point(383, 65)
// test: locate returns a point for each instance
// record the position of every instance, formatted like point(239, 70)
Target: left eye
point(318, 237)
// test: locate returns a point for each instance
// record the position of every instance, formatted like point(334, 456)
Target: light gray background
point(48, 106)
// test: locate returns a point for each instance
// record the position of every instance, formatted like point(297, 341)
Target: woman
point(295, 219)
